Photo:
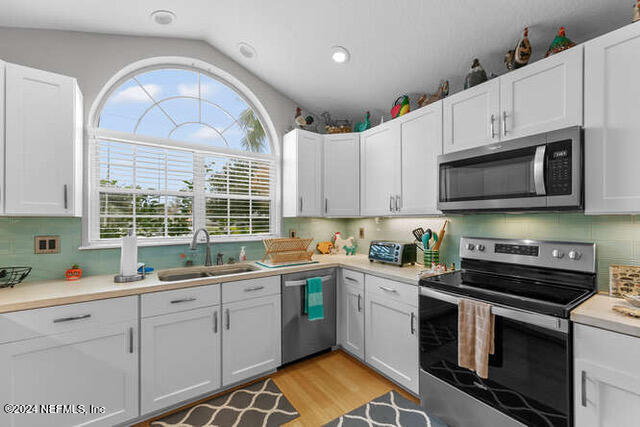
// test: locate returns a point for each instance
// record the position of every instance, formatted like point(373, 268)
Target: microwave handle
point(538, 170)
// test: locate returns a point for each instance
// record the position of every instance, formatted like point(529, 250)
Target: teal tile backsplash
point(17, 233)
point(617, 239)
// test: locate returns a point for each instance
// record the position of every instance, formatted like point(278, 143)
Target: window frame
point(91, 218)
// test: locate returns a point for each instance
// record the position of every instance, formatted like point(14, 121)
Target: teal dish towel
point(313, 299)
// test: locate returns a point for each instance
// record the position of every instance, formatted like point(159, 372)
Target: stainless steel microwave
point(540, 172)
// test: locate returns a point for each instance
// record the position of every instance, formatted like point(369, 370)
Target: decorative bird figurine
point(560, 42)
point(400, 106)
point(363, 125)
point(476, 75)
point(519, 57)
point(301, 120)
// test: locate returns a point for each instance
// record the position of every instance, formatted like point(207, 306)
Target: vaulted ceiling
point(399, 46)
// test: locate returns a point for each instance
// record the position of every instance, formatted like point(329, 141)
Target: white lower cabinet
point(351, 313)
point(180, 357)
point(93, 363)
point(391, 330)
point(606, 378)
point(251, 342)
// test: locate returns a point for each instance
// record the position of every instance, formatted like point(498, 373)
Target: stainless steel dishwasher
point(302, 337)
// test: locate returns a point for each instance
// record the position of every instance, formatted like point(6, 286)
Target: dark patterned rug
point(259, 404)
point(390, 409)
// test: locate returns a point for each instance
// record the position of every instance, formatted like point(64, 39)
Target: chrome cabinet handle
point(390, 203)
point(131, 340)
point(178, 301)
point(228, 319)
point(300, 203)
point(493, 126)
point(215, 322)
point(359, 306)
point(398, 203)
point(66, 204)
point(504, 123)
point(413, 330)
point(583, 392)
point(326, 205)
point(255, 288)
point(351, 279)
point(384, 288)
point(69, 319)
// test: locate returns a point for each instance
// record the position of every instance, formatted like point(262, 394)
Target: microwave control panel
point(559, 168)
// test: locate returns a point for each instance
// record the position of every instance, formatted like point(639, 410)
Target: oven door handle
point(538, 170)
point(540, 320)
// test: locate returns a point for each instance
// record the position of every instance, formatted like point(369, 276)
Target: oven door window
point(504, 175)
point(528, 372)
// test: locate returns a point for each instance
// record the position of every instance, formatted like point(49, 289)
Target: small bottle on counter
point(243, 254)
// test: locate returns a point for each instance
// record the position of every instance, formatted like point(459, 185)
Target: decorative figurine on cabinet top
point(400, 106)
point(519, 57)
point(636, 11)
point(476, 75)
point(560, 42)
point(363, 125)
point(441, 93)
point(335, 126)
point(301, 120)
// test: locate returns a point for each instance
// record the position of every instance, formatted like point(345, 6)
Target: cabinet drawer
point(353, 278)
point(392, 290)
point(165, 302)
point(606, 348)
point(252, 288)
point(26, 324)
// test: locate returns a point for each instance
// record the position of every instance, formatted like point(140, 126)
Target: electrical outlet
point(47, 244)
point(361, 232)
point(292, 233)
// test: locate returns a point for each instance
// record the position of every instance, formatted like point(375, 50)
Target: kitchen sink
point(188, 273)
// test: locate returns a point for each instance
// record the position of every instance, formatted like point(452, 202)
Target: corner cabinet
point(342, 175)
point(606, 378)
point(43, 143)
point(302, 174)
point(351, 313)
point(380, 170)
point(612, 125)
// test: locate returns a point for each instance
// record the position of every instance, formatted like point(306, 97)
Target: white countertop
point(49, 293)
point(597, 312)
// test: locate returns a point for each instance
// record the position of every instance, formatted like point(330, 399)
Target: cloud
point(204, 133)
point(136, 94)
point(191, 89)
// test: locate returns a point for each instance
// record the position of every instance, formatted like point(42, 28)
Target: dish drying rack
point(287, 250)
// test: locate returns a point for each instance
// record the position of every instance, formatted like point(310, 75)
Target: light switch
point(47, 244)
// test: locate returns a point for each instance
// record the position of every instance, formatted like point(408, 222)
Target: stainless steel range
point(532, 286)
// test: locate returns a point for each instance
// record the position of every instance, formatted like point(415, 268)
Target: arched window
point(175, 149)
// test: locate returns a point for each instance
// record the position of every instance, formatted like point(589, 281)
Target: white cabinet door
point(351, 313)
point(380, 169)
point(612, 175)
point(92, 366)
point(606, 378)
point(2, 147)
point(471, 118)
point(342, 175)
point(421, 144)
point(391, 331)
point(180, 357)
point(251, 342)
point(543, 96)
point(302, 174)
point(43, 141)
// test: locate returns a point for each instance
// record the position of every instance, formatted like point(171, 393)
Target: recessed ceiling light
point(163, 17)
point(246, 50)
point(340, 55)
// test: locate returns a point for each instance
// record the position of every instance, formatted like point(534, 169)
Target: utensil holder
point(431, 256)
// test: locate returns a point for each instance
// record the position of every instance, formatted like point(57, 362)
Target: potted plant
point(74, 273)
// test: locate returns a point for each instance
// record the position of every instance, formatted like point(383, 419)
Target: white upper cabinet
point(471, 117)
point(421, 144)
point(543, 96)
point(612, 122)
point(342, 175)
point(43, 143)
point(380, 169)
point(302, 174)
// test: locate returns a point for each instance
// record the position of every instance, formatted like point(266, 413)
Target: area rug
point(390, 409)
point(259, 404)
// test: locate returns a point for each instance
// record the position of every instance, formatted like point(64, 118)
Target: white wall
point(94, 58)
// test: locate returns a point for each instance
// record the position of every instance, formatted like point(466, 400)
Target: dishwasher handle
point(293, 283)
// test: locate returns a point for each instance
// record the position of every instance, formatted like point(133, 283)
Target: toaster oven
point(392, 252)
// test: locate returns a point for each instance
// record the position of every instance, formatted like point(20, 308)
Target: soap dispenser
point(243, 254)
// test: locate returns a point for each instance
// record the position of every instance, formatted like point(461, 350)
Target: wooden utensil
point(440, 236)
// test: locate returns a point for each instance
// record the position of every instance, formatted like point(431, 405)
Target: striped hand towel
point(313, 299)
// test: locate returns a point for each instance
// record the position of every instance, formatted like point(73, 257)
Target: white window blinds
point(167, 193)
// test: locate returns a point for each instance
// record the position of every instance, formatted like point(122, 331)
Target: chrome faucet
point(194, 243)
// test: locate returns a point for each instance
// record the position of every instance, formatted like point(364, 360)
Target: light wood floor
point(327, 386)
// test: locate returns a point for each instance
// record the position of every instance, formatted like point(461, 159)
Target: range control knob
point(471, 246)
point(557, 253)
point(574, 255)
point(481, 248)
